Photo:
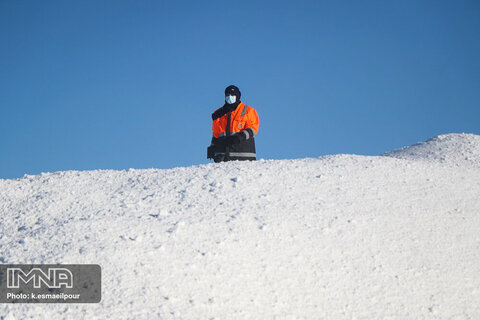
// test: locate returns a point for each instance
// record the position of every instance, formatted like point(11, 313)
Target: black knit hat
point(233, 90)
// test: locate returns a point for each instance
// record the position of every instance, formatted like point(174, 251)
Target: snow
point(336, 237)
point(461, 149)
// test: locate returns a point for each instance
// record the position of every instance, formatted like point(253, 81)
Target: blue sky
point(131, 84)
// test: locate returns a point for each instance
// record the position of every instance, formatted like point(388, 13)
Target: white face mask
point(230, 99)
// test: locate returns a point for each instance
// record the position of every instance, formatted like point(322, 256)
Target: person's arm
point(216, 128)
point(251, 126)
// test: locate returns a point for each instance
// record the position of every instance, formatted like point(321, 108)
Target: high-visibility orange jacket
point(243, 117)
point(243, 125)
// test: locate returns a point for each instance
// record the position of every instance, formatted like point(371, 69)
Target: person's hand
point(236, 139)
point(231, 140)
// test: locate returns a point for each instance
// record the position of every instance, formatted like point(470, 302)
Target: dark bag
point(210, 152)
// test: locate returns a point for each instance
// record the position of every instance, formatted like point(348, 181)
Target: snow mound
point(336, 237)
point(455, 148)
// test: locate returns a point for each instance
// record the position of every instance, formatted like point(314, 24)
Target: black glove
point(236, 139)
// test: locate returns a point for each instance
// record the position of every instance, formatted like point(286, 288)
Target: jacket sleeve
point(252, 120)
point(216, 128)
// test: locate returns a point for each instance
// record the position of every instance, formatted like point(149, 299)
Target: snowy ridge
point(335, 237)
point(454, 148)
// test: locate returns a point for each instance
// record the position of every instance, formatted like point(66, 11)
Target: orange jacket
point(243, 117)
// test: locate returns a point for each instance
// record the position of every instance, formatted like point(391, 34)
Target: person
point(234, 128)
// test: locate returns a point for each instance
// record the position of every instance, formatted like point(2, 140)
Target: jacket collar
point(226, 109)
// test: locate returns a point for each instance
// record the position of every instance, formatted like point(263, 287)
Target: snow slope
point(460, 149)
point(336, 237)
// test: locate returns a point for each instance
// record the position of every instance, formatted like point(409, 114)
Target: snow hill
point(457, 149)
point(395, 236)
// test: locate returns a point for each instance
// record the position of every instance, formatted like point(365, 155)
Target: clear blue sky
point(132, 84)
